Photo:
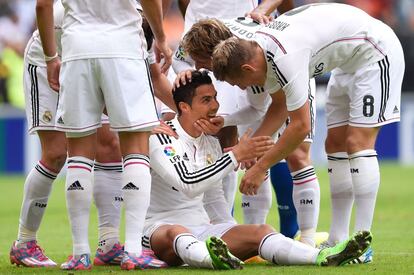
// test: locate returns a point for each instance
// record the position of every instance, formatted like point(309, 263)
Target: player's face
point(241, 82)
point(246, 79)
point(204, 104)
point(202, 62)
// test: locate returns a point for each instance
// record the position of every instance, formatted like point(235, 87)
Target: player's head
point(234, 61)
point(200, 40)
point(196, 99)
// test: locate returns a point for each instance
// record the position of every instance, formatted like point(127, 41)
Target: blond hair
point(230, 55)
point(203, 36)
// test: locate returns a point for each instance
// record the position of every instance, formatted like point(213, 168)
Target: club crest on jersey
point(209, 159)
point(169, 151)
point(47, 116)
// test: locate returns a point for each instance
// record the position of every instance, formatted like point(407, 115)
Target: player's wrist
point(51, 58)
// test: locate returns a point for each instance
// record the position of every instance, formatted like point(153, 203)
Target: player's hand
point(53, 70)
point(164, 128)
point(182, 78)
point(163, 51)
point(247, 164)
point(252, 180)
point(261, 18)
point(211, 126)
point(252, 147)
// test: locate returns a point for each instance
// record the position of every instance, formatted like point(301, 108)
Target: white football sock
point(281, 250)
point(306, 197)
point(37, 188)
point(108, 200)
point(342, 196)
point(255, 208)
point(192, 251)
point(365, 181)
point(136, 182)
point(78, 187)
point(229, 188)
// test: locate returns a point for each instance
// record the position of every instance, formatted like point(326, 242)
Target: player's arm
point(294, 134)
point(169, 161)
point(216, 206)
point(162, 86)
point(275, 116)
point(45, 22)
point(153, 12)
point(258, 104)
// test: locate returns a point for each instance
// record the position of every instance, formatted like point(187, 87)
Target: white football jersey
point(102, 29)
point(182, 170)
point(313, 39)
point(34, 51)
point(220, 9)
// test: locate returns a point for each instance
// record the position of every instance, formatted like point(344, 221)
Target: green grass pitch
point(393, 229)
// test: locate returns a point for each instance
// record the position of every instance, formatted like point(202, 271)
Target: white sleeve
point(170, 161)
point(293, 69)
point(216, 206)
point(256, 109)
point(182, 61)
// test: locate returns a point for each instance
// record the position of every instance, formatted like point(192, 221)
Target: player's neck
point(261, 65)
point(188, 126)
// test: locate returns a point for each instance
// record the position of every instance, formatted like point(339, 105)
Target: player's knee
point(55, 157)
point(298, 160)
point(263, 230)
point(174, 231)
point(333, 145)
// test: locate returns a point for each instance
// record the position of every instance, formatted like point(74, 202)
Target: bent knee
point(54, 158)
point(263, 230)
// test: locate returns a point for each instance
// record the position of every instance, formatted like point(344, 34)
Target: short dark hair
point(185, 93)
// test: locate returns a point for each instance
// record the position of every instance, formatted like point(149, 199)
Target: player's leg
point(41, 103)
point(175, 245)
point(340, 181)
point(37, 188)
point(107, 195)
point(79, 114)
point(132, 113)
point(375, 101)
point(281, 250)
point(283, 185)
point(306, 192)
point(228, 138)
point(255, 208)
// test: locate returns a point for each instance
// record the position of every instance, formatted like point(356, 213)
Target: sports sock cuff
point(338, 156)
point(109, 166)
point(364, 153)
point(136, 159)
point(42, 169)
point(303, 175)
point(81, 163)
point(176, 240)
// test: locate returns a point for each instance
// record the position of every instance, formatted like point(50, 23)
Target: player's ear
point(184, 107)
point(247, 68)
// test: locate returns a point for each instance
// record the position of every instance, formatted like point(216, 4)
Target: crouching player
point(188, 212)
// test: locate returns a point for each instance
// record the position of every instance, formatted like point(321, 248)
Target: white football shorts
point(370, 97)
point(121, 85)
point(41, 100)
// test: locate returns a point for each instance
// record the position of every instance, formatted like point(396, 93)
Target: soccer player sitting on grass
point(188, 212)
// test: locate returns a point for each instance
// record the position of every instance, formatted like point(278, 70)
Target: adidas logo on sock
point(395, 110)
point(60, 120)
point(130, 186)
point(75, 186)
